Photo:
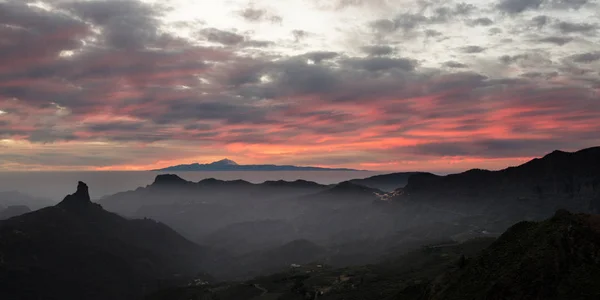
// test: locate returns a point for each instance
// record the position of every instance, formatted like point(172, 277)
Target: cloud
point(569, 27)
point(586, 57)
point(299, 34)
point(125, 24)
point(518, 6)
point(115, 126)
point(481, 22)
point(120, 84)
point(540, 21)
point(222, 37)
point(557, 40)
point(455, 65)
point(378, 50)
point(373, 64)
point(473, 49)
point(251, 14)
point(320, 56)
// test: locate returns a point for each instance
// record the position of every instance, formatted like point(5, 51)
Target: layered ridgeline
point(356, 224)
point(230, 165)
point(534, 190)
point(554, 259)
point(77, 250)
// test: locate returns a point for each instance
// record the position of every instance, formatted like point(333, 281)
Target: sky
point(369, 84)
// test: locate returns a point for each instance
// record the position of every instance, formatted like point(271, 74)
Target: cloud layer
point(436, 85)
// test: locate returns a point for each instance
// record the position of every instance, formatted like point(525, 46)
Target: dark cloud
point(299, 34)
point(31, 36)
point(540, 21)
point(508, 59)
point(378, 50)
point(124, 23)
point(319, 56)
point(222, 37)
point(455, 65)
point(114, 126)
point(540, 75)
point(518, 6)
point(374, 64)
point(557, 40)
point(49, 135)
point(481, 22)
point(407, 22)
point(568, 4)
point(586, 57)
point(568, 27)
point(432, 33)
point(198, 126)
point(488, 148)
point(473, 49)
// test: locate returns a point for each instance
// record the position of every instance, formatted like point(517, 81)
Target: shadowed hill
point(534, 190)
point(555, 259)
point(13, 211)
point(386, 182)
point(77, 250)
point(170, 189)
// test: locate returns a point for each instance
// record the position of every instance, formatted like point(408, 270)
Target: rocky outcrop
point(80, 200)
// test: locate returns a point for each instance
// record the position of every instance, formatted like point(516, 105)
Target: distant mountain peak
point(78, 200)
point(168, 179)
point(230, 165)
point(224, 162)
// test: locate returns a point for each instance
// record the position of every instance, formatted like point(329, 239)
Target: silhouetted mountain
point(534, 190)
point(346, 191)
point(555, 259)
point(386, 182)
point(229, 165)
point(9, 198)
point(77, 250)
point(170, 189)
point(13, 211)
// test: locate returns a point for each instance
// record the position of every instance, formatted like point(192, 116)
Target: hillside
point(13, 211)
point(386, 182)
point(558, 258)
point(534, 190)
point(77, 250)
point(555, 259)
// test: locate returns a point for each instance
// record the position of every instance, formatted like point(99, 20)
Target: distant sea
point(56, 185)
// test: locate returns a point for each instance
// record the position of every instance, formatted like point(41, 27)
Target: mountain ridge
point(77, 250)
point(230, 165)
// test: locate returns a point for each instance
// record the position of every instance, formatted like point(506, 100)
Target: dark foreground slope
point(13, 211)
point(555, 259)
point(77, 250)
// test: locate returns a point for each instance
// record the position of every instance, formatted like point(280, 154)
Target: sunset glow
point(405, 85)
